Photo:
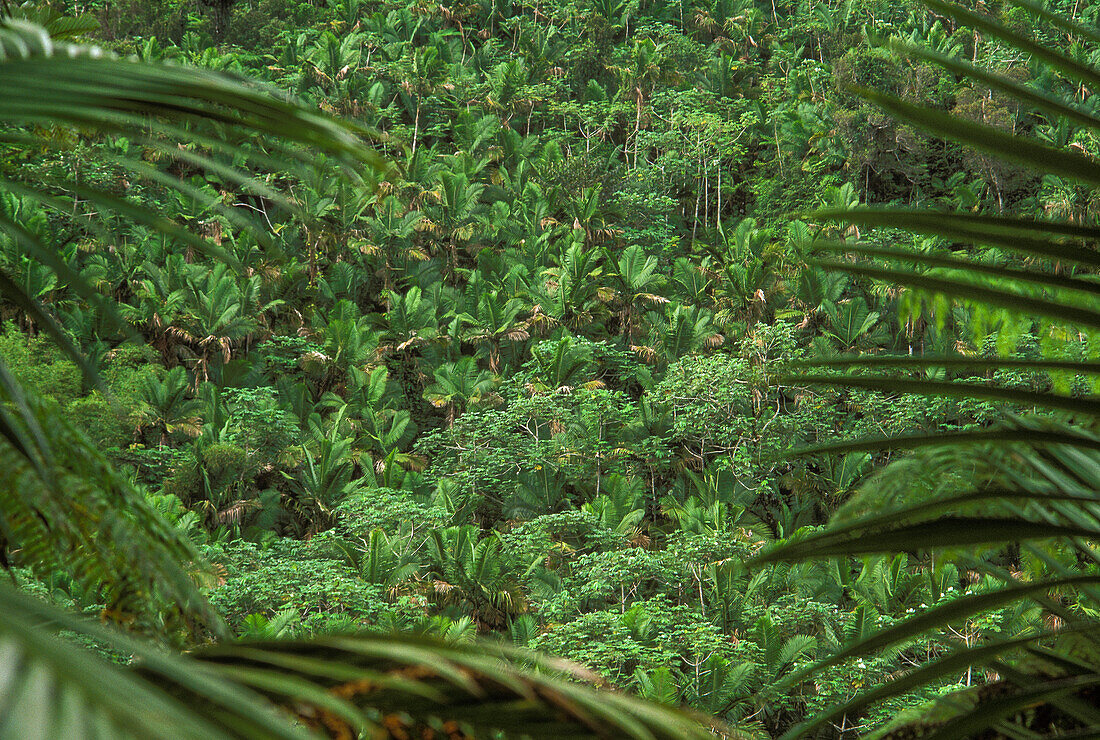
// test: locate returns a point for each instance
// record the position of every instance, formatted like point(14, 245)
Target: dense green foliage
point(534, 382)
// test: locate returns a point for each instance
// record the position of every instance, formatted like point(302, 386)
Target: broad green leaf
point(479, 685)
point(1050, 104)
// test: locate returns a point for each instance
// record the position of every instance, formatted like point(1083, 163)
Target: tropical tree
point(682, 330)
point(411, 321)
point(349, 344)
point(459, 212)
point(389, 237)
point(460, 385)
point(639, 284)
point(335, 66)
point(740, 271)
point(168, 407)
point(561, 366)
point(328, 477)
point(214, 319)
point(637, 77)
point(382, 563)
point(493, 321)
point(571, 289)
point(476, 573)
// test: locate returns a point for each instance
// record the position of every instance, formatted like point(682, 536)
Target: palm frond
point(51, 687)
point(1029, 481)
point(383, 684)
point(990, 391)
point(1018, 234)
point(954, 663)
point(944, 361)
point(404, 682)
point(1009, 276)
point(1064, 309)
point(60, 503)
point(66, 510)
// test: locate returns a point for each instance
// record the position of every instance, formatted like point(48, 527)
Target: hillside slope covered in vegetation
point(533, 379)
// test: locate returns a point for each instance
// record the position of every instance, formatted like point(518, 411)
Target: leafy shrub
point(286, 574)
point(104, 422)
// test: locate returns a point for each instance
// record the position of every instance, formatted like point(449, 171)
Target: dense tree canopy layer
point(534, 370)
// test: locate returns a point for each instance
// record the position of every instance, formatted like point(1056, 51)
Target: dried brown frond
point(234, 513)
point(645, 353)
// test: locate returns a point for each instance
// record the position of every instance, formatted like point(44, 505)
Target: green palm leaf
point(954, 663)
point(132, 555)
point(957, 389)
point(51, 688)
point(371, 677)
point(932, 361)
point(1041, 490)
point(1010, 275)
point(1018, 149)
point(1018, 234)
point(1058, 308)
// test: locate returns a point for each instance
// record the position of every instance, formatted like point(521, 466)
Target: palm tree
point(348, 344)
point(681, 331)
point(382, 563)
point(456, 217)
point(327, 479)
point(64, 508)
point(571, 289)
point(852, 320)
point(495, 320)
point(1023, 511)
point(425, 79)
point(335, 63)
point(639, 282)
point(389, 236)
point(459, 385)
point(411, 321)
point(167, 407)
point(475, 573)
point(739, 268)
point(561, 366)
point(214, 319)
